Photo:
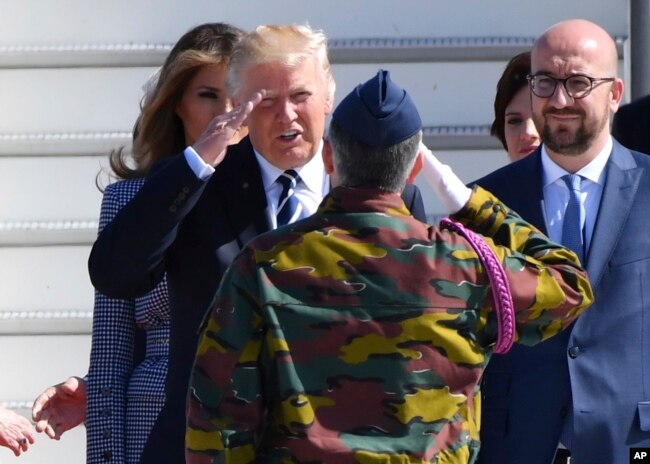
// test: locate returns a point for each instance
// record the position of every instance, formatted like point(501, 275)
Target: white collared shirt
point(309, 193)
point(556, 193)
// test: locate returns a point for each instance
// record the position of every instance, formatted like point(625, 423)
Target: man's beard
point(562, 141)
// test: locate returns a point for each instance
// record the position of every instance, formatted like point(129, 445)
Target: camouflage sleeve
point(224, 409)
point(549, 286)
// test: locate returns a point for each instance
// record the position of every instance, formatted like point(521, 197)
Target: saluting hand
point(212, 143)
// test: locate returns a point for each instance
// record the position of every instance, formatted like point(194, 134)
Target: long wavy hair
point(158, 132)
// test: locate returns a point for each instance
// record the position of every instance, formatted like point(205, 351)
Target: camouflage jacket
point(359, 335)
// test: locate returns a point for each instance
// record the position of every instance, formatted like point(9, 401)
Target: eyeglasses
point(578, 86)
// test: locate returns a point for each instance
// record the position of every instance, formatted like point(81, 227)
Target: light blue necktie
point(287, 203)
point(572, 236)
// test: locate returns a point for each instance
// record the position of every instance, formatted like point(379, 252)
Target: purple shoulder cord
point(501, 296)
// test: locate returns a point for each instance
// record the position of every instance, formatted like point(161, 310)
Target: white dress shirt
point(314, 185)
point(556, 194)
point(309, 192)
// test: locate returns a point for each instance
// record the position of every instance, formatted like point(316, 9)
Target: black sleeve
point(128, 257)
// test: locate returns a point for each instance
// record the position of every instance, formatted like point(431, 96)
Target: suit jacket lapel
point(521, 183)
point(621, 185)
point(523, 187)
point(245, 199)
point(531, 186)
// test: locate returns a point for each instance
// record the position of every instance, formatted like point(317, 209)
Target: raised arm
point(548, 284)
point(127, 260)
point(531, 259)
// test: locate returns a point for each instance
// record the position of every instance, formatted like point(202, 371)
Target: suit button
point(186, 190)
point(107, 455)
point(172, 209)
point(563, 412)
point(574, 352)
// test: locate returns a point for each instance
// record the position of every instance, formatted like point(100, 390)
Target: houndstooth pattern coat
point(125, 394)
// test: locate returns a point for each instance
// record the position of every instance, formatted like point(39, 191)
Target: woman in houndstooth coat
point(130, 338)
point(126, 386)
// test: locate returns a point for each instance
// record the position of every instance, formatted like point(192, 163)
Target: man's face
point(570, 126)
point(288, 125)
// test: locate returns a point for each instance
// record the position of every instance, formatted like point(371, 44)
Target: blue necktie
point(287, 203)
point(572, 236)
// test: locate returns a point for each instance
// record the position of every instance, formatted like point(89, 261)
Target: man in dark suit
point(631, 125)
point(582, 396)
point(197, 210)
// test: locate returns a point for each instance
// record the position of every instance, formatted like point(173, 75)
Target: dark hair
point(158, 131)
point(360, 165)
point(512, 81)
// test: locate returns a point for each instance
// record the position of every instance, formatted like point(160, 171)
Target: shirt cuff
point(200, 168)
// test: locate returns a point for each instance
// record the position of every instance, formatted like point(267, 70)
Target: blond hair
point(289, 44)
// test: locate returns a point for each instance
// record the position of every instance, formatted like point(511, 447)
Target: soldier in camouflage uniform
point(359, 335)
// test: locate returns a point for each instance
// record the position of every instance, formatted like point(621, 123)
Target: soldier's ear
point(417, 167)
point(328, 160)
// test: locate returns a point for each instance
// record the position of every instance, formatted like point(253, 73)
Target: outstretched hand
point(212, 143)
point(60, 407)
point(16, 432)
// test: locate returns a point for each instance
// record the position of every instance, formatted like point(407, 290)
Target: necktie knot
point(572, 181)
point(287, 202)
point(288, 180)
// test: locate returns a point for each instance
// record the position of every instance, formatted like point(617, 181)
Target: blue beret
point(378, 113)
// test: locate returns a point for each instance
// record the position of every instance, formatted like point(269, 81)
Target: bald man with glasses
point(582, 397)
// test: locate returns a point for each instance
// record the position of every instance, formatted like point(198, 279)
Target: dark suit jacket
point(631, 125)
point(192, 230)
point(604, 359)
